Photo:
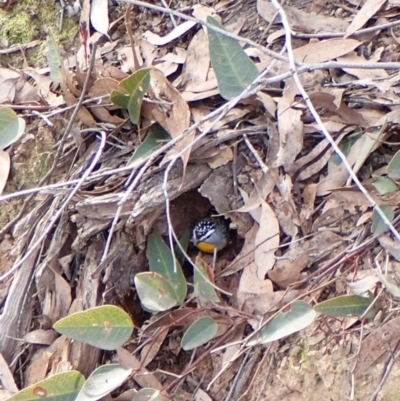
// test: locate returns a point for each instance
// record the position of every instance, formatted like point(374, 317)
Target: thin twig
point(164, 3)
point(264, 168)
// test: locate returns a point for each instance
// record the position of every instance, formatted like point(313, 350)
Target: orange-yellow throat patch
point(206, 247)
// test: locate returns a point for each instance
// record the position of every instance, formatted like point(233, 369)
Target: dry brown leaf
point(329, 217)
point(267, 241)
point(150, 351)
point(113, 73)
point(7, 380)
point(381, 341)
point(268, 102)
point(364, 281)
point(368, 10)
point(197, 64)
point(302, 21)
point(148, 52)
point(126, 59)
point(8, 81)
point(390, 246)
point(142, 376)
point(251, 285)
point(318, 157)
point(194, 97)
point(180, 30)
point(103, 86)
point(275, 35)
point(171, 61)
point(290, 127)
point(338, 175)
point(83, 115)
point(40, 336)
point(44, 83)
point(127, 395)
point(365, 75)
point(332, 101)
point(246, 255)
point(223, 157)
point(38, 366)
point(260, 304)
point(63, 295)
point(233, 115)
point(201, 395)
point(201, 12)
point(307, 208)
point(173, 114)
point(103, 115)
point(4, 169)
point(364, 218)
point(351, 200)
point(83, 55)
point(318, 52)
point(288, 268)
point(99, 16)
point(286, 213)
point(370, 142)
point(264, 186)
point(26, 92)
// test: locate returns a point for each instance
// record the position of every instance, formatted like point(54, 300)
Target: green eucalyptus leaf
point(155, 292)
point(200, 332)
point(107, 327)
point(344, 306)
point(59, 387)
point(378, 225)
point(233, 68)
point(299, 317)
point(162, 262)
point(102, 381)
point(153, 141)
point(12, 127)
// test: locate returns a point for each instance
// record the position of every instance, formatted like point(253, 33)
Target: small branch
point(264, 168)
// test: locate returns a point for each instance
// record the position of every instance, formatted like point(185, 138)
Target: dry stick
point(288, 41)
point(60, 149)
point(263, 167)
point(136, 64)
